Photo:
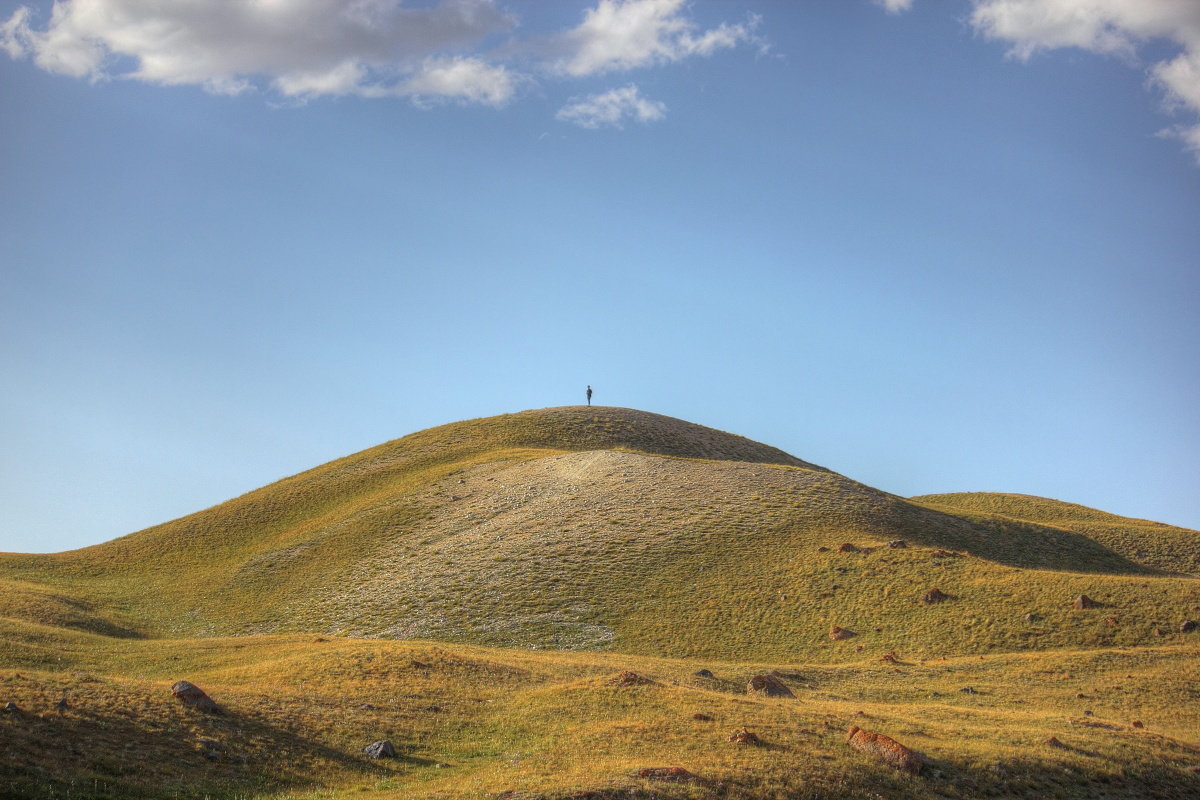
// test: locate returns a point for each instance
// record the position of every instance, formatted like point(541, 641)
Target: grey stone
point(381, 749)
point(194, 697)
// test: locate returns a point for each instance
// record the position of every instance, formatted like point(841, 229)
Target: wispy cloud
point(612, 109)
point(1112, 27)
point(620, 35)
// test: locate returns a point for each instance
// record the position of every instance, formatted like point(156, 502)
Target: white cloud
point(1181, 78)
point(1110, 27)
point(612, 108)
point(625, 34)
point(425, 50)
point(12, 34)
point(344, 78)
point(1190, 136)
point(301, 48)
point(895, 6)
point(1101, 26)
point(468, 79)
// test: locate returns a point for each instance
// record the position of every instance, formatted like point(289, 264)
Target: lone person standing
point(589, 395)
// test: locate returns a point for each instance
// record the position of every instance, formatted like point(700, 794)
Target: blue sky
point(941, 246)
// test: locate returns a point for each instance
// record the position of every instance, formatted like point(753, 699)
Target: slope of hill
point(601, 528)
point(1152, 544)
point(674, 548)
point(473, 722)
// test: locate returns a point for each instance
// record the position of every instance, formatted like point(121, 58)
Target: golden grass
point(548, 550)
point(453, 535)
point(299, 710)
point(1153, 544)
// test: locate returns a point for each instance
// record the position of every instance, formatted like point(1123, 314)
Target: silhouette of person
point(589, 394)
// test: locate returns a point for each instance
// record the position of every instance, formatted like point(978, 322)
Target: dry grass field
point(469, 593)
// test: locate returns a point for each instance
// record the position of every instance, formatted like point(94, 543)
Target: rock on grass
point(629, 678)
point(936, 595)
point(768, 686)
point(381, 749)
point(194, 697)
point(745, 736)
point(884, 748)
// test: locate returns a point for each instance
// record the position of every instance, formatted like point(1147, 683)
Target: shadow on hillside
point(1034, 776)
point(91, 621)
point(126, 753)
point(46, 606)
point(1014, 543)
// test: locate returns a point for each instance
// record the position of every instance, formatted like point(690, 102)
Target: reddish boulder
point(847, 548)
point(884, 748)
point(935, 595)
point(836, 633)
point(194, 697)
point(1054, 742)
point(628, 678)
point(768, 686)
point(1083, 601)
point(745, 736)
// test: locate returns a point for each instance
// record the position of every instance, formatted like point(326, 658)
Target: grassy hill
point(1152, 544)
point(603, 528)
point(525, 558)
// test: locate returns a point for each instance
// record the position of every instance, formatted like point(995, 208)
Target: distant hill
point(609, 528)
point(1152, 544)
